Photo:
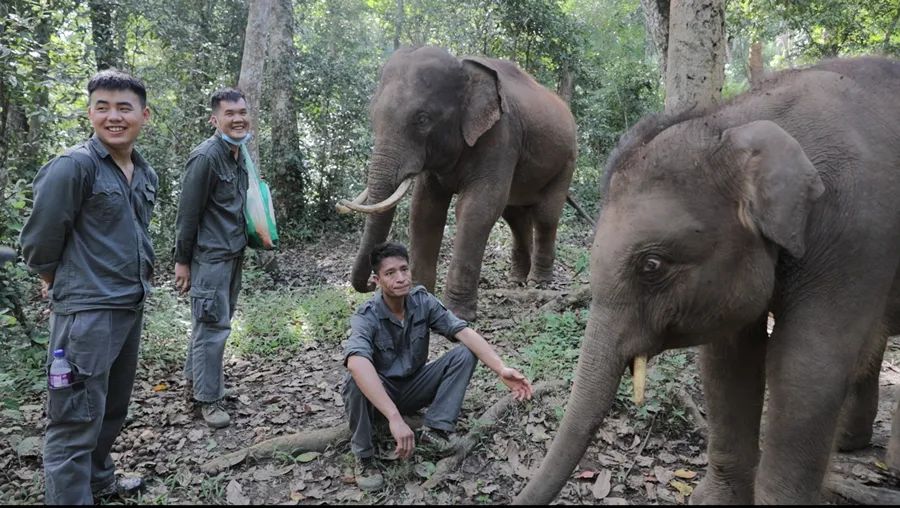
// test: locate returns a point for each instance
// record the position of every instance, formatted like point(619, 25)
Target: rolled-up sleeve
point(362, 332)
point(195, 187)
point(58, 193)
point(441, 320)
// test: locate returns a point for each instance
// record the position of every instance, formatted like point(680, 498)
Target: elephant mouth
point(356, 205)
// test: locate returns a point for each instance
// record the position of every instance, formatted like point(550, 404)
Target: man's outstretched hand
point(406, 440)
point(517, 383)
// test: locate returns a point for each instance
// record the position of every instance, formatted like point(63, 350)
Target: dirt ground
point(636, 458)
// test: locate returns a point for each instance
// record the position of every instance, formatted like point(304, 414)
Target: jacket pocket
point(106, 202)
point(203, 305)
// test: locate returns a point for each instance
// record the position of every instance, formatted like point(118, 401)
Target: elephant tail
point(580, 210)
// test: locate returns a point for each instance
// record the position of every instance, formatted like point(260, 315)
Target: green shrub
point(556, 345)
point(270, 322)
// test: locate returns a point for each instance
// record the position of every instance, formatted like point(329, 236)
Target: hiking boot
point(368, 474)
point(214, 414)
point(124, 486)
point(439, 441)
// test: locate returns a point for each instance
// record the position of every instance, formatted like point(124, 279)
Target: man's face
point(231, 118)
point(117, 117)
point(393, 277)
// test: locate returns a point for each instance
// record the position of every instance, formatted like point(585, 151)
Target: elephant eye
point(422, 118)
point(651, 266)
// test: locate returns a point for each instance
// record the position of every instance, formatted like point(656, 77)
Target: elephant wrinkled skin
point(784, 200)
point(480, 128)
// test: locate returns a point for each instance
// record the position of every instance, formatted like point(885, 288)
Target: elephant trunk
point(383, 171)
point(597, 377)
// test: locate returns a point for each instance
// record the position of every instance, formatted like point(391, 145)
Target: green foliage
point(269, 322)
point(555, 344)
point(668, 374)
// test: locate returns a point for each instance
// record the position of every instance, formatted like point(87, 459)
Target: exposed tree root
point(553, 300)
point(485, 424)
point(859, 493)
point(312, 441)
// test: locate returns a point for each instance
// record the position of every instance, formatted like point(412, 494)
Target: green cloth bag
point(258, 210)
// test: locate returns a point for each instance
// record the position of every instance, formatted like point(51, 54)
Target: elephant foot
point(892, 457)
point(711, 491)
point(848, 441)
point(517, 279)
point(464, 311)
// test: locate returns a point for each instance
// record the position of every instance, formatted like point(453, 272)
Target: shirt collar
point(382, 309)
point(103, 153)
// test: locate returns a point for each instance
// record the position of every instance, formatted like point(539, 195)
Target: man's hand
point(182, 277)
point(517, 383)
point(406, 441)
point(46, 282)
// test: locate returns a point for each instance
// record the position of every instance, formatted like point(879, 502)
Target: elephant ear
point(780, 182)
point(483, 101)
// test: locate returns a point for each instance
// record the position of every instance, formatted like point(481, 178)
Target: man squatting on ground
point(386, 354)
point(87, 239)
point(210, 239)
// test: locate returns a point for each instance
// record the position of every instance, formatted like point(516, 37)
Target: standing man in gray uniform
point(386, 354)
point(209, 247)
point(87, 238)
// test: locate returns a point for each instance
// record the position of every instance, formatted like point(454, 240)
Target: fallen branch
point(859, 493)
point(575, 297)
point(484, 425)
point(313, 441)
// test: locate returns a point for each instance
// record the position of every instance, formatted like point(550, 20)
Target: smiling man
point(210, 239)
point(87, 238)
point(386, 358)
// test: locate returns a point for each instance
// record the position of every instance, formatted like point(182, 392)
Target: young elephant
point(477, 127)
point(785, 200)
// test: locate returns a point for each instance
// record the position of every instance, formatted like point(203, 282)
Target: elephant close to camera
point(476, 127)
point(784, 200)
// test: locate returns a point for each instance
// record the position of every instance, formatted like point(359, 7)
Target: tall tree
point(287, 167)
point(106, 20)
point(656, 21)
point(256, 39)
point(695, 69)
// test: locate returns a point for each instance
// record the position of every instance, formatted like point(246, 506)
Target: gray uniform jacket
point(398, 349)
point(210, 224)
point(89, 229)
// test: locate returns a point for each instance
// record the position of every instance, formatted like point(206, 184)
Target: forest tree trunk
point(656, 22)
point(256, 38)
point(695, 68)
point(398, 24)
point(566, 85)
point(287, 161)
point(757, 72)
point(105, 29)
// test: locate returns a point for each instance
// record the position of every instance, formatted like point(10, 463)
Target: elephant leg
point(546, 216)
point(892, 457)
point(476, 213)
point(427, 218)
point(733, 373)
point(861, 405)
point(808, 369)
point(519, 220)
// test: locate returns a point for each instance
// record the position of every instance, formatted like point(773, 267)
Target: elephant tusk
point(639, 378)
point(387, 204)
point(358, 200)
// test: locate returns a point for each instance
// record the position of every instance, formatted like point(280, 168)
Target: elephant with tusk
point(479, 128)
point(783, 200)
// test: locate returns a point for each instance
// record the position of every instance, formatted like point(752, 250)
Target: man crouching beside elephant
point(782, 200)
point(386, 354)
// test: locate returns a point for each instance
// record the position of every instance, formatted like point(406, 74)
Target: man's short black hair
point(225, 94)
point(387, 250)
point(114, 79)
